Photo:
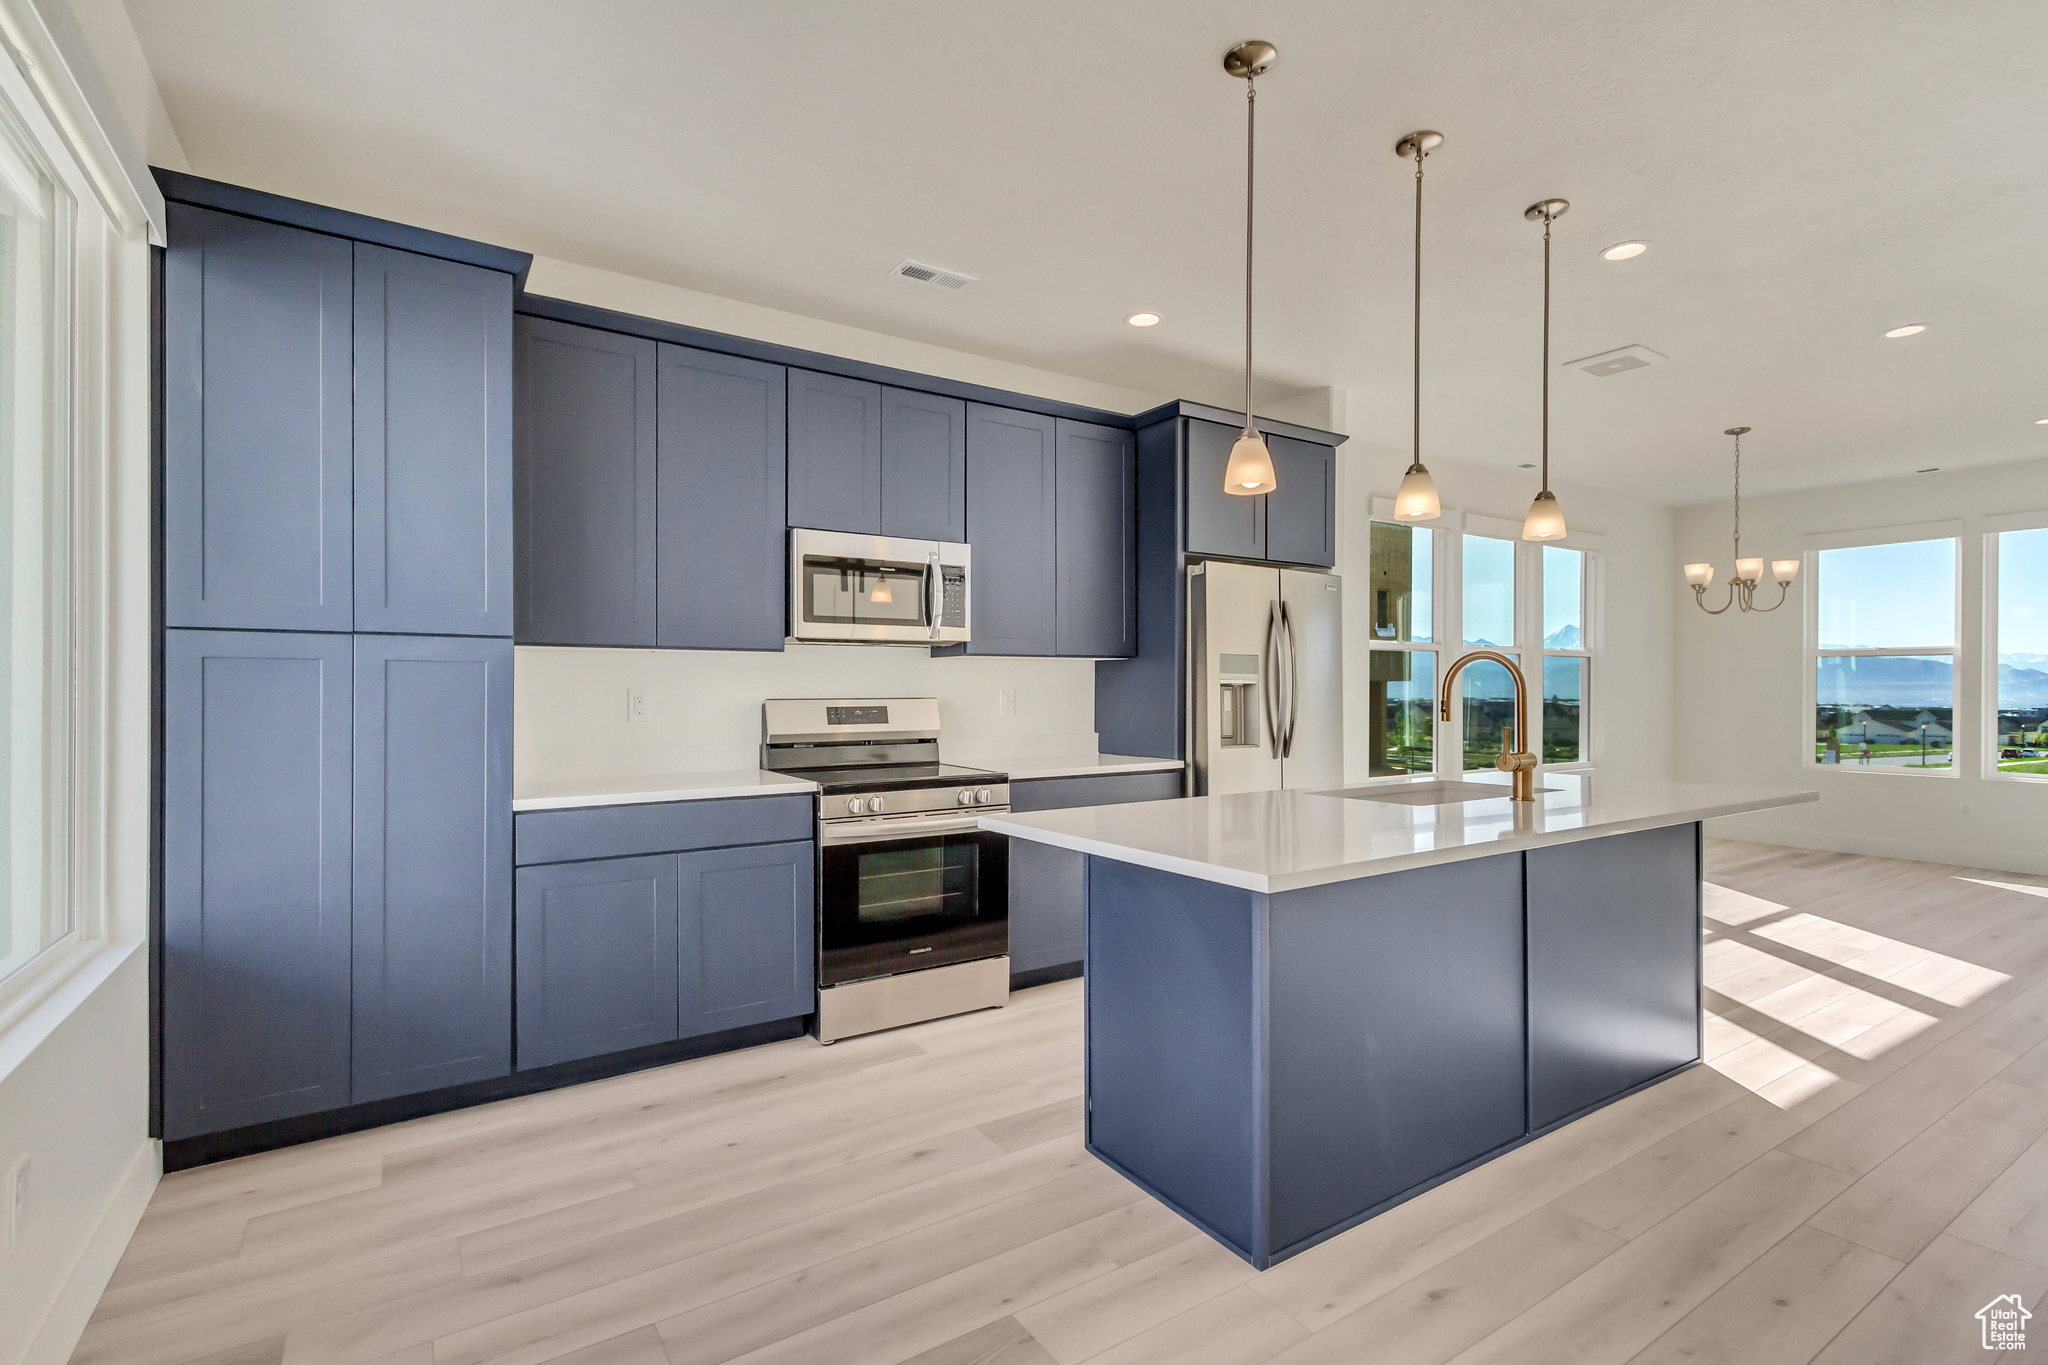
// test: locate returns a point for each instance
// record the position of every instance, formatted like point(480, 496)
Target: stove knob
point(966, 797)
point(854, 805)
point(876, 805)
point(983, 797)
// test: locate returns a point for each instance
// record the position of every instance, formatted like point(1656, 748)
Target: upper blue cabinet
point(720, 535)
point(433, 445)
point(1095, 534)
point(876, 460)
point(1011, 475)
point(337, 433)
point(1294, 524)
point(583, 444)
point(257, 326)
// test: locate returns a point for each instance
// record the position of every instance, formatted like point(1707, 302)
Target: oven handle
point(882, 831)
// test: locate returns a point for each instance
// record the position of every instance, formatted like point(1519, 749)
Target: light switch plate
point(1006, 701)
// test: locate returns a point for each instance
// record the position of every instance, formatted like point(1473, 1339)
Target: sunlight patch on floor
point(2023, 889)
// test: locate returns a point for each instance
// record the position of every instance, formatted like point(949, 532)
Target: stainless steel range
point(913, 898)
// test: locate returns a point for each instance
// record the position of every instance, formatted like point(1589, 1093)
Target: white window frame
point(111, 221)
point(1447, 627)
point(1986, 733)
point(1383, 511)
point(1964, 713)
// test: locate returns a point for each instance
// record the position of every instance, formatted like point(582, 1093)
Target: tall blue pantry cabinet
point(337, 680)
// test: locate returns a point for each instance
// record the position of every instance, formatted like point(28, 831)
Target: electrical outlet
point(1006, 701)
point(1965, 809)
point(636, 705)
point(17, 1202)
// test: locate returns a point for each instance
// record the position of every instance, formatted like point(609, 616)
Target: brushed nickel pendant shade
point(1416, 499)
point(1546, 519)
point(1249, 471)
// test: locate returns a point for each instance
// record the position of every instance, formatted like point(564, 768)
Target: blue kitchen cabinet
point(835, 453)
point(584, 499)
point(1095, 541)
point(256, 872)
point(720, 534)
point(924, 466)
point(1219, 523)
point(433, 863)
point(257, 323)
point(433, 445)
point(1049, 886)
point(1011, 480)
point(1301, 513)
point(597, 958)
point(746, 934)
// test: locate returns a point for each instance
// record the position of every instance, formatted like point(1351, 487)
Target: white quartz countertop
point(1287, 840)
point(570, 792)
point(1083, 765)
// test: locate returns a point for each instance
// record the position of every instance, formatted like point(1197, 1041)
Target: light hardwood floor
point(1859, 1168)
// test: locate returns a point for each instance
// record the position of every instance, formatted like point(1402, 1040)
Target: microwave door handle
point(931, 595)
point(1293, 681)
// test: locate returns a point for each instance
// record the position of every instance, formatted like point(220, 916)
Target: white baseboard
point(62, 1326)
point(1949, 855)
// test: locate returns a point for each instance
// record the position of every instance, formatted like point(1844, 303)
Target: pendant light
point(1546, 519)
point(1250, 468)
point(1742, 587)
point(1416, 499)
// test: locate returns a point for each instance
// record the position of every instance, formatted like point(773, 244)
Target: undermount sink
point(1429, 793)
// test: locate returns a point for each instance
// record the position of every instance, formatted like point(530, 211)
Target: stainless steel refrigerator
point(1266, 684)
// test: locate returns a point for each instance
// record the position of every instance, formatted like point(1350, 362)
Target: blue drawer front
point(561, 836)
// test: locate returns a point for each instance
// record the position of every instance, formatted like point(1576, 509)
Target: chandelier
point(1748, 572)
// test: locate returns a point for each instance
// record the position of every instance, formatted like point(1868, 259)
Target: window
point(1884, 671)
point(1489, 623)
point(1565, 657)
point(35, 549)
point(2020, 742)
point(1401, 689)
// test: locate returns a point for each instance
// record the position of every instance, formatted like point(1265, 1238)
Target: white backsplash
point(570, 708)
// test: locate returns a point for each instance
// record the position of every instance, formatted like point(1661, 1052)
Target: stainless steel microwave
point(877, 589)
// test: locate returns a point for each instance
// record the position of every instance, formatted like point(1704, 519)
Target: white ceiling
point(1809, 175)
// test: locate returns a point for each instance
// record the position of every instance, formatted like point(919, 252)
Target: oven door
point(899, 900)
point(876, 589)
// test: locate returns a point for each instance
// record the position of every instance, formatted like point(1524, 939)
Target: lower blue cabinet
point(597, 953)
point(746, 930)
point(433, 863)
point(619, 953)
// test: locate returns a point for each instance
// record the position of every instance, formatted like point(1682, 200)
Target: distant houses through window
point(2020, 736)
point(1884, 670)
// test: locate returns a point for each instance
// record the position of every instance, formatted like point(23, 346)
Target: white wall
point(1742, 713)
point(1629, 706)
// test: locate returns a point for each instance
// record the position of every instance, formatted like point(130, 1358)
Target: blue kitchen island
point(1304, 1008)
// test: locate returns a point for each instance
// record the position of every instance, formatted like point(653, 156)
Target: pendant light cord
point(1546, 350)
point(1416, 423)
point(1251, 108)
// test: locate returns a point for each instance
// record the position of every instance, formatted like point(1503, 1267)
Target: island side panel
point(1396, 1038)
point(1614, 966)
point(1172, 1047)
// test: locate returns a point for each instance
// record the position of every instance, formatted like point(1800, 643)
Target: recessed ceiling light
point(1143, 319)
point(1911, 329)
point(2041, 422)
point(1624, 251)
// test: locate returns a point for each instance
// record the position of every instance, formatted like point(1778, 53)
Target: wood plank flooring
point(1860, 1167)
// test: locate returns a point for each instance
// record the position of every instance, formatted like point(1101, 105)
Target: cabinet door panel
point(835, 453)
point(1096, 531)
point(1048, 890)
point(746, 936)
point(1219, 523)
point(256, 878)
point(433, 464)
point(256, 425)
point(1614, 961)
point(924, 466)
point(1301, 514)
point(597, 953)
point(721, 539)
point(433, 863)
point(583, 440)
point(1011, 474)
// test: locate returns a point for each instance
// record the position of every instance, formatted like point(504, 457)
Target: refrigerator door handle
point(1272, 706)
point(1293, 682)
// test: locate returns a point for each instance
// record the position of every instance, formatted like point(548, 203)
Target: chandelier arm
point(1699, 593)
point(1784, 591)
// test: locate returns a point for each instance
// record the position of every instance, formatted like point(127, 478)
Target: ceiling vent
point(1616, 362)
point(931, 274)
